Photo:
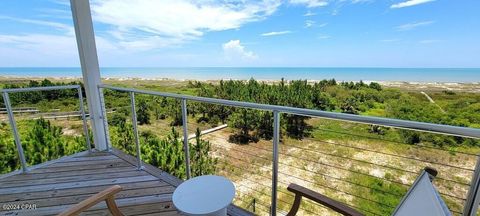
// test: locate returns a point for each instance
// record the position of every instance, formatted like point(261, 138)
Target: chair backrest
point(300, 192)
point(107, 195)
point(423, 198)
point(427, 193)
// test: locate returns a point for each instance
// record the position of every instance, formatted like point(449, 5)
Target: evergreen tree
point(243, 120)
point(168, 154)
point(201, 161)
point(143, 114)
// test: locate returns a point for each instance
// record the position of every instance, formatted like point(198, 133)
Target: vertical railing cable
point(135, 131)
point(16, 136)
point(185, 137)
point(84, 119)
point(276, 139)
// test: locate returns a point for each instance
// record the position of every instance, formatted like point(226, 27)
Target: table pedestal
point(221, 212)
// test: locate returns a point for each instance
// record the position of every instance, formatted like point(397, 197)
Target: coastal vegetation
point(367, 166)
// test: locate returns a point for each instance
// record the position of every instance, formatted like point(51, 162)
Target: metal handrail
point(473, 198)
point(13, 124)
point(45, 88)
point(394, 123)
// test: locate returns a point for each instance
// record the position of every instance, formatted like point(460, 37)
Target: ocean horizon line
point(428, 75)
point(320, 67)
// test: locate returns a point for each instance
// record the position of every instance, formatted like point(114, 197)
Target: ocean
point(460, 75)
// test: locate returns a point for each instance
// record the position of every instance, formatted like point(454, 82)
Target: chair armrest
point(107, 195)
point(319, 198)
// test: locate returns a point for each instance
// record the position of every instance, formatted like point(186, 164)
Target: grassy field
point(368, 173)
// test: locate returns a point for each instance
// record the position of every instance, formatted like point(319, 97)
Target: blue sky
point(293, 33)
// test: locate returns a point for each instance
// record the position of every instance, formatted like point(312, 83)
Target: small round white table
point(204, 195)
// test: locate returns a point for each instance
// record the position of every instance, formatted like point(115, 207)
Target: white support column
point(87, 50)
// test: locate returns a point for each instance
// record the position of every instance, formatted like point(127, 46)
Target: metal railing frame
point(13, 124)
point(135, 131)
point(104, 119)
point(185, 138)
point(473, 198)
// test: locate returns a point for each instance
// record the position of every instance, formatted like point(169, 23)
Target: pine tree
point(143, 114)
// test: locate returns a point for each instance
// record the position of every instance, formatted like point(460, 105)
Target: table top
point(204, 194)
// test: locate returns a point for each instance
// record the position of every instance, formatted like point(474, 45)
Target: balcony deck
point(56, 185)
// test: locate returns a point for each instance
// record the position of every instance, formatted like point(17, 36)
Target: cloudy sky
point(304, 33)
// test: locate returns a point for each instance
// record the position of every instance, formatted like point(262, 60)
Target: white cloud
point(59, 26)
point(45, 49)
point(361, 1)
point(310, 3)
point(274, 33)
point(58, 46)
point(149, 24)
point(390, 40)
point(52, 43)
point(411, 26)
point(322, 25)
point(410, 3)
point(62, 2)
point(40, 43)
point(309, 23)
point(322, 37)
point(309, 13)
point(234, 50)
point(430, 41)
point(54, 13)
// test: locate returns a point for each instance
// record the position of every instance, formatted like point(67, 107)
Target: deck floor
point(59, 184)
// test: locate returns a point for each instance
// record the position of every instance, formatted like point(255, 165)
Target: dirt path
point(432, 101)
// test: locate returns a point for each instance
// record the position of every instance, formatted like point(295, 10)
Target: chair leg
point(296, 205)
point(112, 206)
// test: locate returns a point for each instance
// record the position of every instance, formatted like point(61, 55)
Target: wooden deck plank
point(58, 185)
point(95, 154)
point(80, 163)
point(76, 198)
point(106, 157)
point(32, 176)
point(170, 213)
point(120, 202)
point(76, 168)
point(18, 197)
point(85, 163)
point(163, 209)
point(33, 188)
point(42, 181)
point(149, 168)
point(44, 164)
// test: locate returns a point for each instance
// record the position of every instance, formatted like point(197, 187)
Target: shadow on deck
point(54, 186)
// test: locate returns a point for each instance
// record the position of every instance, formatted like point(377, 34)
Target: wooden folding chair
point(343, 209)
point(107, 195)
point(300, 192)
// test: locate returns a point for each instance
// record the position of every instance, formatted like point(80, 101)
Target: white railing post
point(276, 140)
point(473, 197)
point(104, 119)
point(185, 138)
point(135, 131)
point(87, 50)
point(84, 119)
point(16, 136)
